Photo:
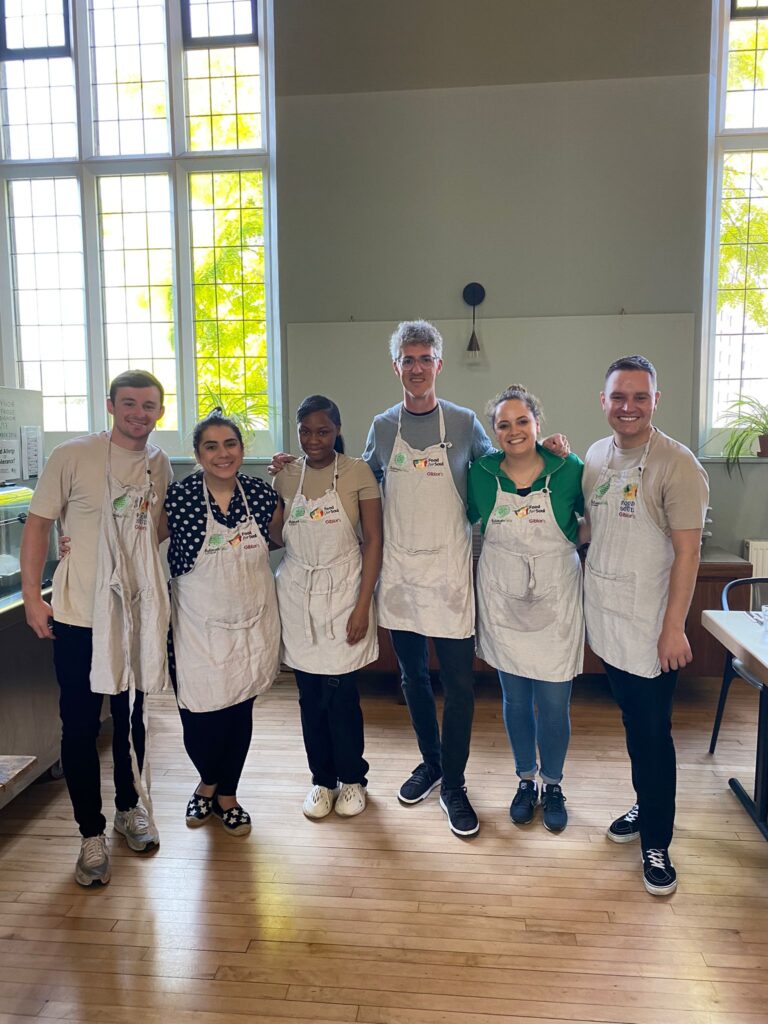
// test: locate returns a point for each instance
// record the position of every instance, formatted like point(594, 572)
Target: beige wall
point(333, 46)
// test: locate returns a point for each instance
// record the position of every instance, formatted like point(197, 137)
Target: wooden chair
point(733, 667)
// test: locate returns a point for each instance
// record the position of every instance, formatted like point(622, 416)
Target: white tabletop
point(742, 636)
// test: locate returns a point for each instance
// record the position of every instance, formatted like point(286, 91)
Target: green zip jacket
point(565, 485)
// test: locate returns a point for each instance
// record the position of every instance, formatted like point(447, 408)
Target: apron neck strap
point(440, 419)
point(209, 511)
point(300, 488)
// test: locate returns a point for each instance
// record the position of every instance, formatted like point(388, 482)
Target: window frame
point(208, 42)
point(178, 164)
point(722, 141)
point(37, 52)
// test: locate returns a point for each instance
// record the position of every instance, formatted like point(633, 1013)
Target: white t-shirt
point(675, 484)
point(71, 489)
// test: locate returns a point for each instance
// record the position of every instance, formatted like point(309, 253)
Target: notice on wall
point(10, 463)
point(31, 451)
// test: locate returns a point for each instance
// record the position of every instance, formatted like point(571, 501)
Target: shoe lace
point(554, 799)
point(656, 858)
point(94, 850)
point(137, 819)
point(459, 800)
point(525, 791)
point(421, 774)
point(632, 814)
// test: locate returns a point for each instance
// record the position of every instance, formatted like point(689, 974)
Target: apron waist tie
point(310, 571)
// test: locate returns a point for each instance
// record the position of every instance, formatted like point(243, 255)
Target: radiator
point(757, 554)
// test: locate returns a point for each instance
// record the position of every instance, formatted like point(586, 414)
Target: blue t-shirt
point(420, 430)
point(186, 512)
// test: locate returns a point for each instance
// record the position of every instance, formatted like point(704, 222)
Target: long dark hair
point(215, 418)
point(319, 403)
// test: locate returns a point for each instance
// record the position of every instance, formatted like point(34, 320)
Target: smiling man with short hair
point(645, 498)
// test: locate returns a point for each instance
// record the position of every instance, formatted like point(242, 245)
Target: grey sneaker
point(92, 866)
point(138, 828)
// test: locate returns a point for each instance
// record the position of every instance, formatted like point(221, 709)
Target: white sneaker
point(351, 799)
point(92, 866)
point(318, 802)
point(138, 828)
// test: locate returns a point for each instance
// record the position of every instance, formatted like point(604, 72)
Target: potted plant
point(747, 424)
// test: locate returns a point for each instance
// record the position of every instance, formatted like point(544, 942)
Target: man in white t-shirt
point(71, 489)
point(645, 498)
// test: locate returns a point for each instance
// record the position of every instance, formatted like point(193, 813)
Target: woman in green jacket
point(530, 624)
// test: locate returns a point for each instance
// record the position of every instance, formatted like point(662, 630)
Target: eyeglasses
point(406, 362)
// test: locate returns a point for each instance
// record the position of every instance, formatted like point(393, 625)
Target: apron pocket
point(614, 595)
point(529, 614)
point(230, 640)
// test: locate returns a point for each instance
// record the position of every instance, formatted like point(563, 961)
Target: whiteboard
point(561, 359)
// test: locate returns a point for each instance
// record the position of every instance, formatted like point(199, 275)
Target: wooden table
point(743, 637)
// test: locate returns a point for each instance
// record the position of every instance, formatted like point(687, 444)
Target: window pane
point(39, 111)
point(130, 76)
point(740, 365)
point(137, 283)
point(229, 292)
point(746, 99)
point(49, 296)
point(35, 24)
point(211, 18)
point(223, 98)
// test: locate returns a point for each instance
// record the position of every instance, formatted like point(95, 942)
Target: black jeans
point(447, 753)
point(332, 724)
point(217, 743)
point(80, 712)
point(646, 711)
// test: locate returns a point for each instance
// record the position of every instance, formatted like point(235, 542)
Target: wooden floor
point(387, 917)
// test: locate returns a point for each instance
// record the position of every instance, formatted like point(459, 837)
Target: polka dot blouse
point(185, 508)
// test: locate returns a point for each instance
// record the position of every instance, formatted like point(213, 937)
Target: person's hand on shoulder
point(674, 649)
point(558, 444)
point(279, 461)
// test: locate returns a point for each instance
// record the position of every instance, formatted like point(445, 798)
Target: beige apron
point(131, 609)
point(226, 630)
point(626, 576)
point(425, 584)
point(529, 612)
point(318, 584)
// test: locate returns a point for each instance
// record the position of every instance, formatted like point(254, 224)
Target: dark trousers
point(646, 711)
point(332, 724)
point(218, 742)
point(80, 712)
point(447, 753)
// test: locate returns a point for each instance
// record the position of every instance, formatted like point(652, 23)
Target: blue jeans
point(551, 732)
point(446, 753)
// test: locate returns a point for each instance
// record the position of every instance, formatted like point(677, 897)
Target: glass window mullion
point(8, 350)
point(83, 78)
point(186, 368)
point(94, 307)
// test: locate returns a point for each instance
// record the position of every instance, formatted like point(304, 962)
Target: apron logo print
point(316, 513)
point(120, 503)
point(298, 512)
point(420, 463)
point(216, 541)
point(234, 542)
point(400, 459)
point(630, 492)
point(502, 511)
point(602, 489)
point(521, 513)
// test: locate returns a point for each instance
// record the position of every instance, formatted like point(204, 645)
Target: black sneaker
point(421, 783)
point(627, 827)
point(659, 873)
point(553, 803)
point(522, 807)
point(461, 814)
